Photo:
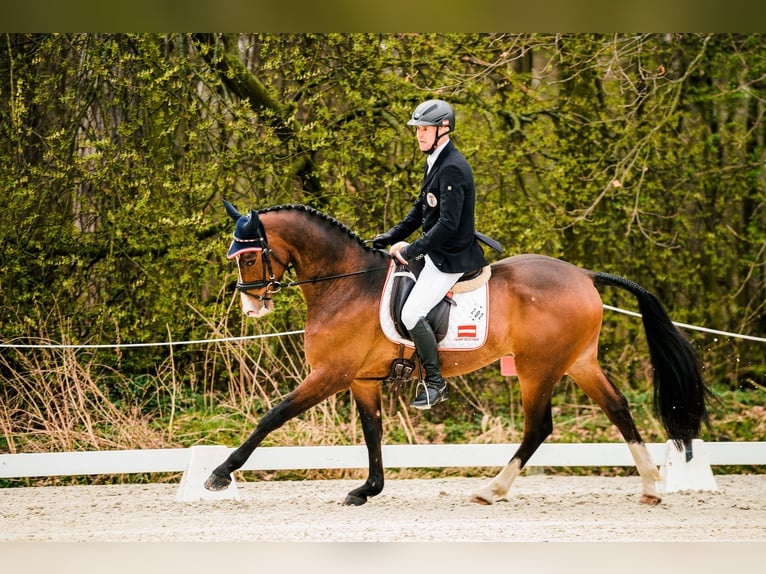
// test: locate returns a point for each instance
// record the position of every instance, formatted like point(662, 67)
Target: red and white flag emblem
point(466, 331)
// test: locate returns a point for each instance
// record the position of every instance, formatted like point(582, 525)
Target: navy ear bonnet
point(249, 234)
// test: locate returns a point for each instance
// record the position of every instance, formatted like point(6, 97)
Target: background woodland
point(640, 155)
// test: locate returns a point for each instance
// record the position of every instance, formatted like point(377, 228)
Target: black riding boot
point(435, 389)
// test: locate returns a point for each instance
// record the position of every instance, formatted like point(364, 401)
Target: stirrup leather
point(402, 370)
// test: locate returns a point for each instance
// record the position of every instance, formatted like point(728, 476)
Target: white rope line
point(162, 344)
point(694, 327)
point(249, 337)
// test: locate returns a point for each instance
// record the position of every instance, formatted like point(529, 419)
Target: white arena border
point(27, 465)
point(196, 462)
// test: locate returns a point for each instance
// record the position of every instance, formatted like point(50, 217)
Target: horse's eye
point(250, 263)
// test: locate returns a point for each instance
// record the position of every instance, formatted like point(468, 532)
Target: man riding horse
point(445, 211)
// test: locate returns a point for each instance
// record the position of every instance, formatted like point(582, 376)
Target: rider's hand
point(400, 252)
point(381, 241)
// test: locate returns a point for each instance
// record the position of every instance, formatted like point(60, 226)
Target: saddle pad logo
point(468, 323)
point(466, 331)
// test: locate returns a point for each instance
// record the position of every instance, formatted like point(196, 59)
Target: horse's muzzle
point(255, 309)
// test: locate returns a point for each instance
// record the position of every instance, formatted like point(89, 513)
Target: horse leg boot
point(434, 389)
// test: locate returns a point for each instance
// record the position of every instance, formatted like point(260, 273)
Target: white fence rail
point(329, 457)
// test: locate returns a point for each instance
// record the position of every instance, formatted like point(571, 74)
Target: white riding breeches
point(430, 288)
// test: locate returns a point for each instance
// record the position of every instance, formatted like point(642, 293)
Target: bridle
point(269, 280)
point(269, 283)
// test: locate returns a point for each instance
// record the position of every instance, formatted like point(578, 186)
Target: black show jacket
point(445, 212)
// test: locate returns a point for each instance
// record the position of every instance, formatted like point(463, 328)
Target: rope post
point(202, 461)
point(677, 475)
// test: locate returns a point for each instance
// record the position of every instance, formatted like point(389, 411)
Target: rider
point(445, 211)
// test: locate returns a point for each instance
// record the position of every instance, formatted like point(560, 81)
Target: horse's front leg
point(367, 397)
point(311, 391)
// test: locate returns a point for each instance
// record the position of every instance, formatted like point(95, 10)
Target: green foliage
point(640, 155)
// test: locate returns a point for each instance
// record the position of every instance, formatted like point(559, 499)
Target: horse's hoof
point(216, 483)
point(650, 500)
point(484, 495)
point(478, 499)
point(354, 500)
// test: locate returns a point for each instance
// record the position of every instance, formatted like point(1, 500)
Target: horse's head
point(258, 278)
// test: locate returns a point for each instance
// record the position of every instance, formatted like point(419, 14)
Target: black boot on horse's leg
point(435, 388)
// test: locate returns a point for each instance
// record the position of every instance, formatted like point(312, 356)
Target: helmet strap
point(437, 137)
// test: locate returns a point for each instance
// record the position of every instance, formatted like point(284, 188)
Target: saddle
point(404, 280)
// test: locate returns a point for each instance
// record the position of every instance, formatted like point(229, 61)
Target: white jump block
point(676, 474)
point(202, 461)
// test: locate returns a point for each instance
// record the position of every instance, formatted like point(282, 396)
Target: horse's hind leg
point(367, 397)
point(592, 380)
point(538, 424)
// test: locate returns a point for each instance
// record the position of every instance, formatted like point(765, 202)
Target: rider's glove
point(382, 241)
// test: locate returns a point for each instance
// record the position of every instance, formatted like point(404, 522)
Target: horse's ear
point(231, 210)
point(252, 226)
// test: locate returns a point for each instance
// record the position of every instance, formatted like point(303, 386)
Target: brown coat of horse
point(545, 312)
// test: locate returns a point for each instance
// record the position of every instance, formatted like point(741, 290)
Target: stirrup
point(429, 395)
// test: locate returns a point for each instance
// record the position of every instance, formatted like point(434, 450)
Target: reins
point(246, 286)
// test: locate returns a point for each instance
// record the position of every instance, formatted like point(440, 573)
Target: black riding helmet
point(434, 113)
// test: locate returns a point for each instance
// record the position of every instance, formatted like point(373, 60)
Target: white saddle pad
point(468, 321)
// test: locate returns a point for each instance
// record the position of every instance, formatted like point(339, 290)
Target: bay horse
point(545, 312)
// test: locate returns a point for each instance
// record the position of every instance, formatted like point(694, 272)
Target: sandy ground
point(540, 508)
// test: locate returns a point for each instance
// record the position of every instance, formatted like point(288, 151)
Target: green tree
point(636, 154)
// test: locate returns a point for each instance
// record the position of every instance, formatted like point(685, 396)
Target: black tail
point(680, 395)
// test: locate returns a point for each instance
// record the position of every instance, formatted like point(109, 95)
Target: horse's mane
point(313, 212)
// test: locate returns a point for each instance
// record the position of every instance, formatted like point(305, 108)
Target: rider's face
point(426, 136)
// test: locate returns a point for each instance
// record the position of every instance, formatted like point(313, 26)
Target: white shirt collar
point(432, 157)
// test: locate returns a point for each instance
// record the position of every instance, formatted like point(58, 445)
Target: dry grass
point(51, 401)
point(58, 399)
